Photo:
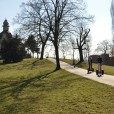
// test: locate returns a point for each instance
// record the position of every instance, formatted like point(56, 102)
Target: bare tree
point(61, 14)
point(33, 21)
point(51, 18)
point(81, 35)
point(64, 48)
point(103, 46)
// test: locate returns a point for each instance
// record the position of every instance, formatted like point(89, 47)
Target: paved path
point(106, 79)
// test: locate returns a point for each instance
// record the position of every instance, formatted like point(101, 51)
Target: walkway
point(106, 79)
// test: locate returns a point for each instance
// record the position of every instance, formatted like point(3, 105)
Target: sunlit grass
point(69, 61)
point(33, 87)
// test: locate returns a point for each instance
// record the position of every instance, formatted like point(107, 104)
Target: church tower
point(5, 34)
point(5, 26)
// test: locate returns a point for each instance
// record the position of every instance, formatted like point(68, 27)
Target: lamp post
point(87, 41)
point(73, 53)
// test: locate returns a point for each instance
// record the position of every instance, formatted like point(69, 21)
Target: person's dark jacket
point(99, 60)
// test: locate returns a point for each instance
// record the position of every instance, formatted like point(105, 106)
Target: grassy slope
point(31, 87)
point(107, 69)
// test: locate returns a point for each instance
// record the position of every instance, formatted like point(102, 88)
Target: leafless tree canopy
point(103, 46)
point(52, 19)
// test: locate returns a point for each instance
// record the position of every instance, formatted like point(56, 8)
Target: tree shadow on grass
point(14, 88)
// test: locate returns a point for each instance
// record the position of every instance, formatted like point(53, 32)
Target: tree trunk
point(33, 54)
point(57, 58)
point(37, 55)
point(42, 52)
point(81, 54)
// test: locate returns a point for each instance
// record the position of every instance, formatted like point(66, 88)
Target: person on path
point(99, 60)
point(90, 62)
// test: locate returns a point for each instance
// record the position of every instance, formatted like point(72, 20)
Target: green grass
point(107, 69)
point(32, 87)
point(69, 61)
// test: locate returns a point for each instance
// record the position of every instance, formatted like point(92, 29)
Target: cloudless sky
point(100, 29)
point(8, 10)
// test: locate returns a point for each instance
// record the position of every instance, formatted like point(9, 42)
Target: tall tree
point(44, 36)
point(56, 16)
point(61, 13)
point(33, 20)
point(81, 34)
point(82, 41)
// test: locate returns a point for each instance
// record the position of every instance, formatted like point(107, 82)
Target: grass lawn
point(107, 69)
point(32, 87)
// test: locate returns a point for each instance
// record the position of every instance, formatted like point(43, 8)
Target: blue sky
point(8, 10)
point(100, 29)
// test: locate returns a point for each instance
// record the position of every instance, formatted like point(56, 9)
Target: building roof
point(8, 34)
point(5, 23)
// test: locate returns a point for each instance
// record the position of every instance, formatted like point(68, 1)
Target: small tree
point(64, 49)
point(103, 46)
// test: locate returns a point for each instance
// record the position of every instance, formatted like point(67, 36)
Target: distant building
point(5, 34)
point(106, 59)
